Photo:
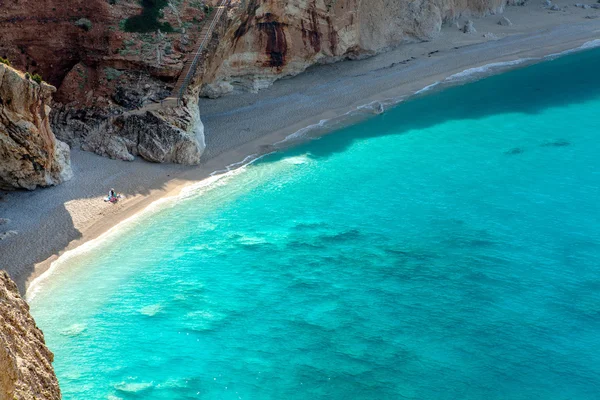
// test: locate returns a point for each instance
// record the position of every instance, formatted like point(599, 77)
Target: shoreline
point(423, 76)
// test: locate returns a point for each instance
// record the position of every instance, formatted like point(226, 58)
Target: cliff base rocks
point(26, 371)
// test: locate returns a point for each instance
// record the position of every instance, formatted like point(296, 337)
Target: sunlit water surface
point(448, 249)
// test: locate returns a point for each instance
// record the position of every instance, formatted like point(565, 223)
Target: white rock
point(504, 22)
point(6, 235)
point(469, 27)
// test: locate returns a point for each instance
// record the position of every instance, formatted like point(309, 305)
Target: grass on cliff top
point(5, 61)
point(147, 21)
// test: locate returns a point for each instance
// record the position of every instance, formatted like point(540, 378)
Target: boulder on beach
point(504, 22)
point(469, 27)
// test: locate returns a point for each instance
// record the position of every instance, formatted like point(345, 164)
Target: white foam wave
point(152, 310)
point(302, 132)
point(428, 87)
point(586, 46)
point(297, 160)
point(373, 107)
point(591, 44)
point(132, 387)
point(217, 178)
point(470, 72)
point(74, 330)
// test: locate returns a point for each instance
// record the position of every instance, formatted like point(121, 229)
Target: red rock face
point(41, 36)
point(266, 39)
point(88, 63)
point(276, 43)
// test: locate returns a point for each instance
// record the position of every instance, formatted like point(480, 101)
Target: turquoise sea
point(447, 249)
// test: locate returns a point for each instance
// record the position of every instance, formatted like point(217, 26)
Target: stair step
point(204, 37)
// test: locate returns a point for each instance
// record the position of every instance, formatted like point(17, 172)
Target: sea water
point(447, 249)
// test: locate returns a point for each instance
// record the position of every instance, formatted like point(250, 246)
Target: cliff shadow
point(43, 219)
point(567, 80)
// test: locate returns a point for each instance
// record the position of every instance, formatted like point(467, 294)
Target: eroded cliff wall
point(267, 39)
point(26, 371)
point(30, 155)
point(108, 57)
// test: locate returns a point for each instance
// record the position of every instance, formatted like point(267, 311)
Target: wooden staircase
point(189, 68)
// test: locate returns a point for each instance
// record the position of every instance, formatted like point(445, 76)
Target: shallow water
point(446, 249)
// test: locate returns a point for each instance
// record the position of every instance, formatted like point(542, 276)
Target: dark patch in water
point(463, 242)
point(516, 150)
point(298, 244)
point(557, 143)
point(342, 236)
point(409, 255)
point(309, 226)
point(480, 243)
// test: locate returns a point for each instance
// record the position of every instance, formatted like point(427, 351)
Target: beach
point(242, 126)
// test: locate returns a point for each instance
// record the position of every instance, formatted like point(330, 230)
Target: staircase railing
point(179, 89)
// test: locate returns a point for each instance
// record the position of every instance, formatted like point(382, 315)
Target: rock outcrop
point(26, 371)
point(108, 58)
point(168, 134)
point(266, 40)
point(469, 27)
point(30, 155)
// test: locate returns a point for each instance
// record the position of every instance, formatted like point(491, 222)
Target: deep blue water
point(448, 249)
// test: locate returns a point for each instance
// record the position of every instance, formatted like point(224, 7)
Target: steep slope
point(30, 155)
point(26, 371)
point(108, 58)
point(267, 39)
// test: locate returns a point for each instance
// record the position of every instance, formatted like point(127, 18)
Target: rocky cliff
point(267, 39)
point(26, 371)
point(109, 57)
point(30, 155)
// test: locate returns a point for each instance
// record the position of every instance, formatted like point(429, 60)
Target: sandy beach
point(51, 221)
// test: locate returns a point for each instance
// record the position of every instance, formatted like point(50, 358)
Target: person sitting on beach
point(111, 194)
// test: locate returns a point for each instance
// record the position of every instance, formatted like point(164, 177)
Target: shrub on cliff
point(37, 78)
point(147, 21)
point(112, 73)
point(84, 24)
point(5, 61)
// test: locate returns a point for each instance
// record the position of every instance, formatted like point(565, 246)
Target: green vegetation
point(147, 21)
point(5, 61)
point(84, 24)
point(37, 78)
point(198, 4)
point(112, 74)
